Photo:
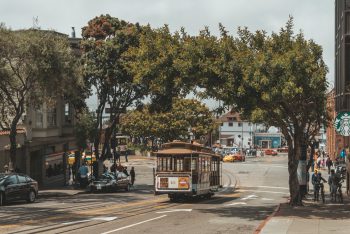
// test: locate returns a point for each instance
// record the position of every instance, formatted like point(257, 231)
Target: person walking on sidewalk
point(316, 181)
point(329, 164)
point(83, 175)
point(132, 175)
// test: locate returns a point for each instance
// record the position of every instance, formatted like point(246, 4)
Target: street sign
point(342, 123)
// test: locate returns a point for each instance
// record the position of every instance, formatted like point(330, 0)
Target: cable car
point(187, 170)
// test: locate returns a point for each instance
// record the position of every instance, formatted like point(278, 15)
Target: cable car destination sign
point(342, 123)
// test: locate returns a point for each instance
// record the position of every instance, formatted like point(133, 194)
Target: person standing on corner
point(132, 175)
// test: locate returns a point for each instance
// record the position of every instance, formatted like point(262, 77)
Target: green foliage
point(105, 41)
point(159, 62)
point(185, 114)
point(85, 129)
point(36, 66)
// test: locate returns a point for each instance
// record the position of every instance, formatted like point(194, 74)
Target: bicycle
point(319, 186)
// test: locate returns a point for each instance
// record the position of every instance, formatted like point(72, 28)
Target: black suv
point(15, 186)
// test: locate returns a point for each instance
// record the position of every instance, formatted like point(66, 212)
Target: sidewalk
point(60, 192)
point(313, 217)
point(70, 190)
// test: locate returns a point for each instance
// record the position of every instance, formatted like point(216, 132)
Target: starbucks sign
point(342, 123)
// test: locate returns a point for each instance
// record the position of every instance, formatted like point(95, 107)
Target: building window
point(39, 117)
point(240, 124)
point(230, 124)
point(67, 113)
point(51, 117)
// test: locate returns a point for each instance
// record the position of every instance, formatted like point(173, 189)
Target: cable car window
point(187, 165)
point(194, 164)
point(179, 164)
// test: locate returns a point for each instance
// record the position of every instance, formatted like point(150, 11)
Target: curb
point(263, 223)
point(57, 194)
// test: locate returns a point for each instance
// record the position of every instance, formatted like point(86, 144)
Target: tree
point(36, 66)
point(279, 80)
point(85, 130)
point(185, 115)
point(105, 40)
point(158, 62)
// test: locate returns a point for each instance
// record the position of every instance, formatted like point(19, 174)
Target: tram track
point(122, 212)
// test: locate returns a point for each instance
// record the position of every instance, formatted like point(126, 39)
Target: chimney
point(73, 33)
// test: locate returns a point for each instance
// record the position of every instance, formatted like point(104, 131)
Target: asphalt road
point(252, 190)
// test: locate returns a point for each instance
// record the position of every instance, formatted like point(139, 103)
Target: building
point(266, 140)
point(233, 130)
point(45, 136)
point(334, 141)
point(342, 69)
point(5, 148)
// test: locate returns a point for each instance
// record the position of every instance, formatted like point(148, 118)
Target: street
point(251, 191)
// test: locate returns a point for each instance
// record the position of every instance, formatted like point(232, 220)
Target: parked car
point(238, 157)
point(270, 152)
point(228, 158)
point(15, 186)
point(110, 182)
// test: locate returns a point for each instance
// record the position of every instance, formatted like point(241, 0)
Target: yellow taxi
point(228, 158)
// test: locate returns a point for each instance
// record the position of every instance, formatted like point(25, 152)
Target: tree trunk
point(13, 147)
point(13, 140)
point(293, 160)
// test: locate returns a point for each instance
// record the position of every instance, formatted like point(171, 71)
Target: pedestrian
point(116, 156)
point(132, 175)
point(114, 167)
point(120, 168)
point(125, 171)
point(319, 162)
point(83, 175)
point(329, 164)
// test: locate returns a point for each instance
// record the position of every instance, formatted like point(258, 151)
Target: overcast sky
point(314, 17)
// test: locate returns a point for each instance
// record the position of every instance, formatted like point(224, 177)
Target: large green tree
point(185, 115)
point(105, 41)
point(36, 66)
point(159, 62)
point(279, 80)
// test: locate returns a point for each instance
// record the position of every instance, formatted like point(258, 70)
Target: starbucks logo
point(342, 123)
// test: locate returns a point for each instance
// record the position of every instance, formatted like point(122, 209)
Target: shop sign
point(342, 123)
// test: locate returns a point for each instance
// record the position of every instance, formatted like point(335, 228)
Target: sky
point(315, 18)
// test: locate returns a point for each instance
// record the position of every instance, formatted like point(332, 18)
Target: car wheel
point(2, 199)
point(31, 196)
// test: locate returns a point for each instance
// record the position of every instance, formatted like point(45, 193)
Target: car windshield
point(107, 176)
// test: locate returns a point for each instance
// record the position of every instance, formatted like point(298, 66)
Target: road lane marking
point(236, 203)
point(174, 210)
point(267, 199)
point(249, 197)
point(92, 219)
point(135, 224)
point(261, 191)
point(262, 186)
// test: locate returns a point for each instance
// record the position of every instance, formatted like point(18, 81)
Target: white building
point(235, 130)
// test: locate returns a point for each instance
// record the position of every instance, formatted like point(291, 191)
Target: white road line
point(261, 191)
point(92, 219)
point(267, 199)
point(262, 186)
point(236, 203)
point(249, 197)
point(174, 210)
point(122, 228)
